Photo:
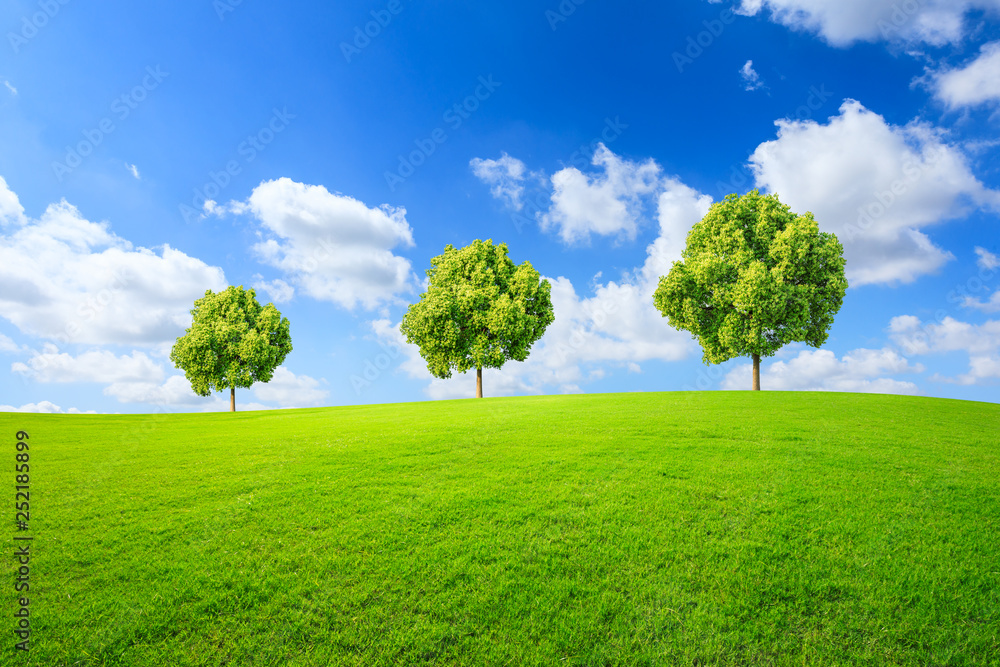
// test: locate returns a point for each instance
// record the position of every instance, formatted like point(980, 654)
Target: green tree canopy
point(754, 277)
point(479, 311)
point(233, 342)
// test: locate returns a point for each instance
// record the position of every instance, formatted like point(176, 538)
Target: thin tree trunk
point(756, 372)
point(232, 399)
point(479, 383)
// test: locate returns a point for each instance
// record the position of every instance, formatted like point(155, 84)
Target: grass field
point(630, 529)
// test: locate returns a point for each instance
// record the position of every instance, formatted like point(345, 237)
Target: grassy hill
point(632, 529)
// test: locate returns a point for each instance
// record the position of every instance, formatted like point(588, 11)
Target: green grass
point(628, 529)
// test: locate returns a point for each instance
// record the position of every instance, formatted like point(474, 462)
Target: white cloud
point(92, 366)
point(10, 87)
point(277, 291)
point(609, 203)
point(504, 176)
point(973, 84)
point(986, 260)
point(981, 342)
point(751, 79)
point(134, 170)
point(288, 389)
point(820, 370)
point(616, 326)
point(873, 184)
point(330, 246)
point(69, 279)
point(843, 22)
point(45, 407)
point(990, 306)
point(8, 345)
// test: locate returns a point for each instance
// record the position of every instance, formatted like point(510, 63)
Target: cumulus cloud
point(8, 345)
point(616, 325)
point(975, 83)
point(330, 246)
point(290, 390)
point(861, 370)
point(505, 177)
point(981, 342)
point(608, 203)
point(843, 22)
point(66, 278)
point(277, 291)
point(103, 366)
point(986, 260)
point(751, 79)
point(875, 185)
point(45, 407)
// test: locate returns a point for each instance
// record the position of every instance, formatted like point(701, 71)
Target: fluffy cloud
point(69, 279)
point(821, 370)
point(8, 345)
point(330, 246)
point(981, 342)
point(505, 178)
point(973, 84)
point(616, 326)
point(609, 203)
point(277, 291)
point(45, 407)
point(986, 260)
point(873, 184)
point(751, 79)
point(843, 22)
point(93, 366)
point(289, 390)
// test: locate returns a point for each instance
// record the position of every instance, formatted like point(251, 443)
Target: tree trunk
point(232, 399)
point(756, 372)
point(479, 383)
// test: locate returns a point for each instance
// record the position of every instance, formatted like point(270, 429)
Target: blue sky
point(324, 153)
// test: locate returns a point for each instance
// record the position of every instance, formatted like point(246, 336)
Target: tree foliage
point(233, 342)
point(479, 311)
point(754, 277)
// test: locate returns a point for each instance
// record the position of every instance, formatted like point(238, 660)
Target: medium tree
point(479, 311)
point(233, 342)
point(754, 277)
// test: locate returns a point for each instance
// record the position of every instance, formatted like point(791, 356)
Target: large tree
point(754, 277)
point(479, 311)
point(233, 342)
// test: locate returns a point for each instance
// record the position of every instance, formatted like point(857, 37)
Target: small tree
point(754, 277)
point(479, 311)
point(232, 342)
